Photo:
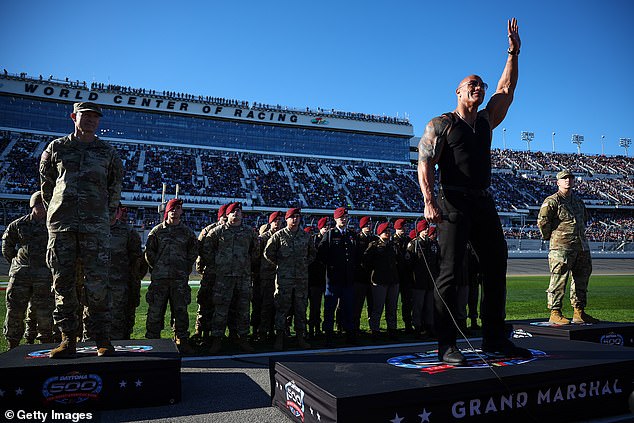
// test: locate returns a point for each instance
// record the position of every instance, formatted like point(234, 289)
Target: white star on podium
point(425, 416)
point(397, 419)
point(122, 384)
point(138, 383)
point(19, 391)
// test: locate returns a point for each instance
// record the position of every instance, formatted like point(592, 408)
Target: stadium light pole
point(603, 145)
point(625, 143)
point(504, 138)
point(577, 139)
point(528, 137)
point(554, 141)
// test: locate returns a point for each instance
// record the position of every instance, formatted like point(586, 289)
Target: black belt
point(469, 191)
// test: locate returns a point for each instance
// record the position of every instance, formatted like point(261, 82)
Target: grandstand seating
point(520, 180)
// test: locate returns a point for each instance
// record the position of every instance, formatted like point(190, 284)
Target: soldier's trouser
point(178, 294)
point(130, 308)
point(204, 298)
point(405, 290)
point(256, 304)
point(423, 308)
point(384, 296)
point(474, 296)
point(315, 296)
point(65, 250)
point(267, 312)
point(342, 296)
point(291, 293)
point(564, 264)
point(19, 292)
point(362, 294)
point(120, 297)
point(226, 290)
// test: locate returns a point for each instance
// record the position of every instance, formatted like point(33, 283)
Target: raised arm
point(501, 100)
point(429, 149)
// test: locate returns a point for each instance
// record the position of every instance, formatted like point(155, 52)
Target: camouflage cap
point(35, 199)
point(564, 174)
point(86, 106)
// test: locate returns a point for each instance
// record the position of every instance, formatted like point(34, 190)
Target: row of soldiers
point(264, 280)
point(29, 292)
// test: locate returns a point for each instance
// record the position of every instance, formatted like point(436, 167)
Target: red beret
point(340, 212)
point(422, 225)
point(382, 227)
point(232, 207)
point(292, 211)
point(322, 222)
point(274, 216)
point(399, 223)
point(364, 221)
point(412, 234)
point(308, 229)
point(171, 205)
point(221, 210)
point(432, 230)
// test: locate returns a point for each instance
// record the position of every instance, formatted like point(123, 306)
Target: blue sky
point(380, 57)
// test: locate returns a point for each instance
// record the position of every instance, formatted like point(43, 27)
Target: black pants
point(471, 218)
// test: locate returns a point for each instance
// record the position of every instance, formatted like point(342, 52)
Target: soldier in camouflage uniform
point(562, 220)
point(81, 178)
point(291, 250)
point(24, 247)
point(171, 250)
point(208, 278)
point(230, 250)
point(127, 267)
point(267, 273)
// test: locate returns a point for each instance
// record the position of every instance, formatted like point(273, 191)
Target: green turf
point(609, 298)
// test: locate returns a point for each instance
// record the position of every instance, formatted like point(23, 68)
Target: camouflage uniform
point(208, 278)
point(126, 258)
point(24, 246)
point(267, 287)
point(229, 251)
point(291, 252)
point(562, 221)
point(170, 251)
point(81, 188)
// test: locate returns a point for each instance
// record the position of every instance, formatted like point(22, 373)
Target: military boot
point(279, 341)
point(13, 343)
point(67, 348)
point(301, 341)
point(104, 348)
point(215, 345)
point(244, 345)
point(184, 348)
point(580, 316)
point(557, 318)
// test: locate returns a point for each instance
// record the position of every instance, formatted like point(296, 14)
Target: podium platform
point(141, 373)
point(568, 379)
point(609, 333)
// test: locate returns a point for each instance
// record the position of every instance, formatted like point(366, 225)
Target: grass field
point(610, 298)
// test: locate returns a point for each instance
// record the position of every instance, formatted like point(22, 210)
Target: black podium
point(565, 380)
point(609, 333)
point(141, 373)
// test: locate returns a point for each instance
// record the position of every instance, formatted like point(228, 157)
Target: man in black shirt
point(460, 144)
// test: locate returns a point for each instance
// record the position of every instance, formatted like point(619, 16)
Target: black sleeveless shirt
point(465, 160)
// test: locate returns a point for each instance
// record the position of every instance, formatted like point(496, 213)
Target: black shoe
point(505, 348)
point(451, 355)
